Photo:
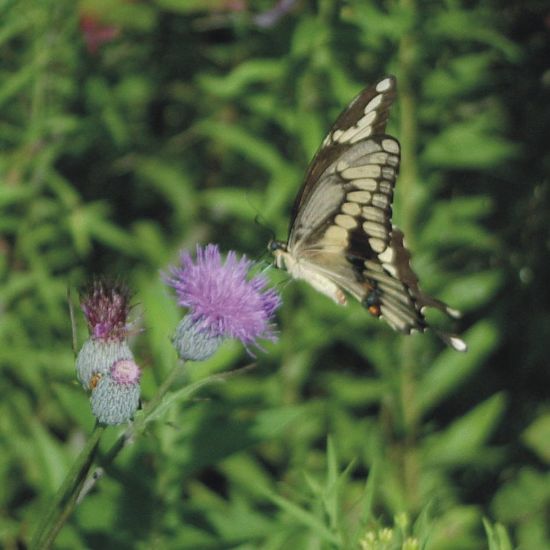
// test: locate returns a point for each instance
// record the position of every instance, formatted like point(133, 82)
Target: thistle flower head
point(115, 397)
point(106, 306)
point(223, 301)
point(96, 358)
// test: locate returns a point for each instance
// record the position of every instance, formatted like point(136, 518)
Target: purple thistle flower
point(106, 306)
point(222, 301)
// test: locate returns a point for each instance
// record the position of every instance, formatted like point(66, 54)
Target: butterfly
point(341, 238)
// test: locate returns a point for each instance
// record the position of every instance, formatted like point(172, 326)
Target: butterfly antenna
point(284, 283)
point(267, 265)
point(258, 220)
point(262, 258)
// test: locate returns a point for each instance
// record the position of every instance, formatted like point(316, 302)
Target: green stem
point(408, 178)
point(408, 135)
point(65, 499)
point(164, 387)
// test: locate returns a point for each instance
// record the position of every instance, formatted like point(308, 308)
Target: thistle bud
point(115, 397)
point(105, 364)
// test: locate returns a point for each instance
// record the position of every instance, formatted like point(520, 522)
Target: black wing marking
point(365, 116)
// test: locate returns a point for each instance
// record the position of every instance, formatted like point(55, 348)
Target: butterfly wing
point(341, 228)
point(366, 115)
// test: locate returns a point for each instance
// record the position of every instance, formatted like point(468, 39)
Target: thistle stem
point(67, 497)
point(64, 501)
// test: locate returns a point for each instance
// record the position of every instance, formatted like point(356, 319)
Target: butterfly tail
point(425, 300)
point(452, 340)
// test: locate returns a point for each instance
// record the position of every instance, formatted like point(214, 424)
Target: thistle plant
point(105, 364)
point(223, 300)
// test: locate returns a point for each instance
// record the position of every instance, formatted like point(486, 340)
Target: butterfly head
point(279, 250)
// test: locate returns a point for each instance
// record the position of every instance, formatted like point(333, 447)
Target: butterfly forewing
point(352, 199)
point(366, 115)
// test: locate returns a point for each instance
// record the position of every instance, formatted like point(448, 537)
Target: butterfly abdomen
point(372, 302)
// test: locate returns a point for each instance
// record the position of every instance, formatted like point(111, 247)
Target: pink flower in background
point(95, 32)
point(271, 17)
point(234, 5)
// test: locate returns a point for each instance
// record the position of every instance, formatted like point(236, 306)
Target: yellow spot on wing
point(347, 222)
point(359, 196)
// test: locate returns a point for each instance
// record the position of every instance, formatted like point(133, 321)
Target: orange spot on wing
point(375, 310)
point(341, 297)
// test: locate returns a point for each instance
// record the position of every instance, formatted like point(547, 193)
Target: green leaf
point(355, 391)
point(235, 84)
point(537, 437)
point(525, 498)
point(462, 75)
point(49, 457)
point(472, 291)
point(171, 182)
point(272, 422)
point(16, 82)
point(465, 25)
point(303, 517)
point(243, 204)
point(256, 149)
point(310, 35)
point(452, 369)
point(463, 441)
point(468, 145)
point(497, 536)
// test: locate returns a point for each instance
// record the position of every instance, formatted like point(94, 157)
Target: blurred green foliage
point(132, 129)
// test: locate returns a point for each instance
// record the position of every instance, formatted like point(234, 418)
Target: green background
point(187, 122)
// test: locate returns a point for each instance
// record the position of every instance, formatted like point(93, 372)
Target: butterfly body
point(301, 268)
point(341, 238)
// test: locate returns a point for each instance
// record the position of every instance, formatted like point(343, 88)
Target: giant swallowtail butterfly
point(341, 236)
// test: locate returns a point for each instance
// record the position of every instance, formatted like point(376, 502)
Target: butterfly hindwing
point(388, 295)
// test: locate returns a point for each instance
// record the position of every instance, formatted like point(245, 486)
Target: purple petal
point(221, 299)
